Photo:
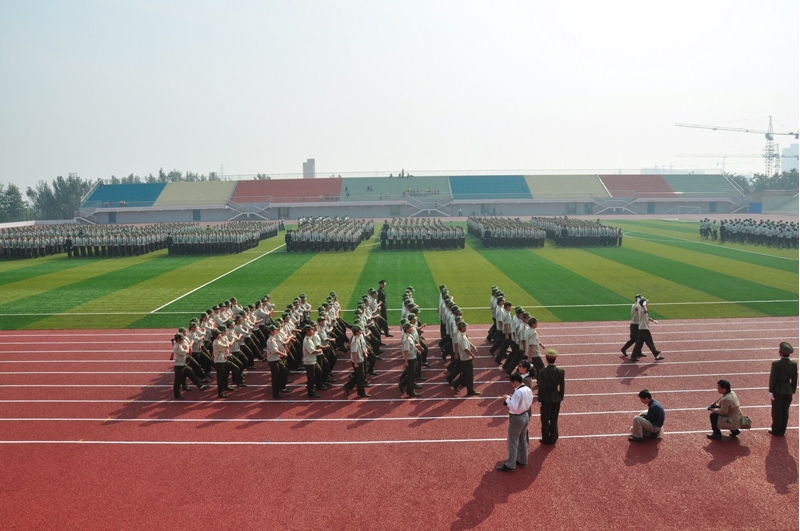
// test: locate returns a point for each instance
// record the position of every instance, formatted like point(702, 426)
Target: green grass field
point(683, 276)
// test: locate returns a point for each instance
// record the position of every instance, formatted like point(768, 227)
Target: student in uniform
point(180, 352)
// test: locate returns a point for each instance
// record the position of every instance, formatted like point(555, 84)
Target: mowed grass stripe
point(469, 276)
point(715, 285)
point(65, 298)
point(145, 296)
point(400, 269)
point(324, 272)
point(21, 270)
point(678, 228)
point(766, 276)
point(19, 292)
point(551, 284)
point(624, 281)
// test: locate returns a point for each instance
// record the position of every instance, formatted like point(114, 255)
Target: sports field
point(683, 276)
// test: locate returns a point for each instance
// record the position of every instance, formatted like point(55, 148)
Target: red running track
point(91, 439)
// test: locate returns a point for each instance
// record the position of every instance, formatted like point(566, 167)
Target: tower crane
point(771, 155)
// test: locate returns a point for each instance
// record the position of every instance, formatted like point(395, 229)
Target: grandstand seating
point(196, 193)
point(779, 204)
point(129, 195)
point(693, 185)
point(637, 185)
point(489, 187)
point(565, 186)
point(287, 191)
point(378, 188)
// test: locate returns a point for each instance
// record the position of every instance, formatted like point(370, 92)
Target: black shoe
point(372, 373)
point(346, 391)
point(367, 385)
point(378, 358)
point(456, 388)
point(365, 395)
point(179, 397)
point(389, 335)
point(278, 396)
point(473, 393)
point(286, 390)
point(314, 395)
point(420, 379)
point(229, 388)
point(241, 385)
point(714, 436)
point(417, 386)
point(635, 439)
point(204, 386)
point(520, 464)
point(735, 433)
point(659, 357)
point(624, 353)
point(222, 395)
point(504, 468)
point(773, 433)
point(413, 395)
point(426, 365)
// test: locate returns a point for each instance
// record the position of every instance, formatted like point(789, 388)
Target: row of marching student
point(228, 339)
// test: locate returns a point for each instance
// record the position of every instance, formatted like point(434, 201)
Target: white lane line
point(337, 443)
point(107, 420)
point(212, 281)
point(693, 242)
point(169, 386)
point(622, 360)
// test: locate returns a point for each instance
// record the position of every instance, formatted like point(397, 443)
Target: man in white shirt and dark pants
point(519, 404)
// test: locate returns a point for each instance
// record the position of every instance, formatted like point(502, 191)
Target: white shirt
point(520, 401)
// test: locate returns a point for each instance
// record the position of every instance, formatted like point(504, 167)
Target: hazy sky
point(102, 87)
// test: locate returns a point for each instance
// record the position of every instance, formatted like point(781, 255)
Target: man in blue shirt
point(650, 421)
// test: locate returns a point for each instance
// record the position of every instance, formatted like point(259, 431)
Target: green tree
point(62, 199)
point(742, 181)
point(12, 205)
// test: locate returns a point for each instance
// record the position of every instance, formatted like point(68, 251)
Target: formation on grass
point(685, 276)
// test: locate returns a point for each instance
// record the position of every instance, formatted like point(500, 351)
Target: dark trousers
point(713, 417)
point(222, 377)
point(181, 373)
point(467, 375)
point(357, 379)
point(311, 378)
point(411, 371)
point(780, 413)
point(643, 337)
point(279, 376)
point(549, 413)
point(633, 338)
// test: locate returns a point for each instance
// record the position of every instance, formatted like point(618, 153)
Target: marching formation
point(420, 233)
point(231, 237)
point(568, 232)
point(779, 234)
point(328, 234)
point(503, 232)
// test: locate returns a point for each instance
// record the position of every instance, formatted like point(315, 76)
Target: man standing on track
point(519, 404)
point(782, 385)
point(550, 381)
point(634, 326)
point(466, 354)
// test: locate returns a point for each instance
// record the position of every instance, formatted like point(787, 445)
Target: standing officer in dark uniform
point(782, 385)
point(382, 301)
point(551, 393)
point(287, 238)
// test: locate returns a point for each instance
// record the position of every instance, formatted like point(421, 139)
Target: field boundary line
point(219, 277)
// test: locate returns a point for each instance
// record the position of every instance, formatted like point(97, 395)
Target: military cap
point(381, 282)
point(356, 328)
point(461, 324)
point(306, 328)
point(786, 348)
point(551, 353)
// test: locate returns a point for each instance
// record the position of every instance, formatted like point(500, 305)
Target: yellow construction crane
point(771, 155)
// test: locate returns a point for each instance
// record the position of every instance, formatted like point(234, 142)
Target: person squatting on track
point(782, 385)
point(519, 405)
point(650, 421)
point(726, 413)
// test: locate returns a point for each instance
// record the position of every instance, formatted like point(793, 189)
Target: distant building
point(309, 169)
point(789, 159)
